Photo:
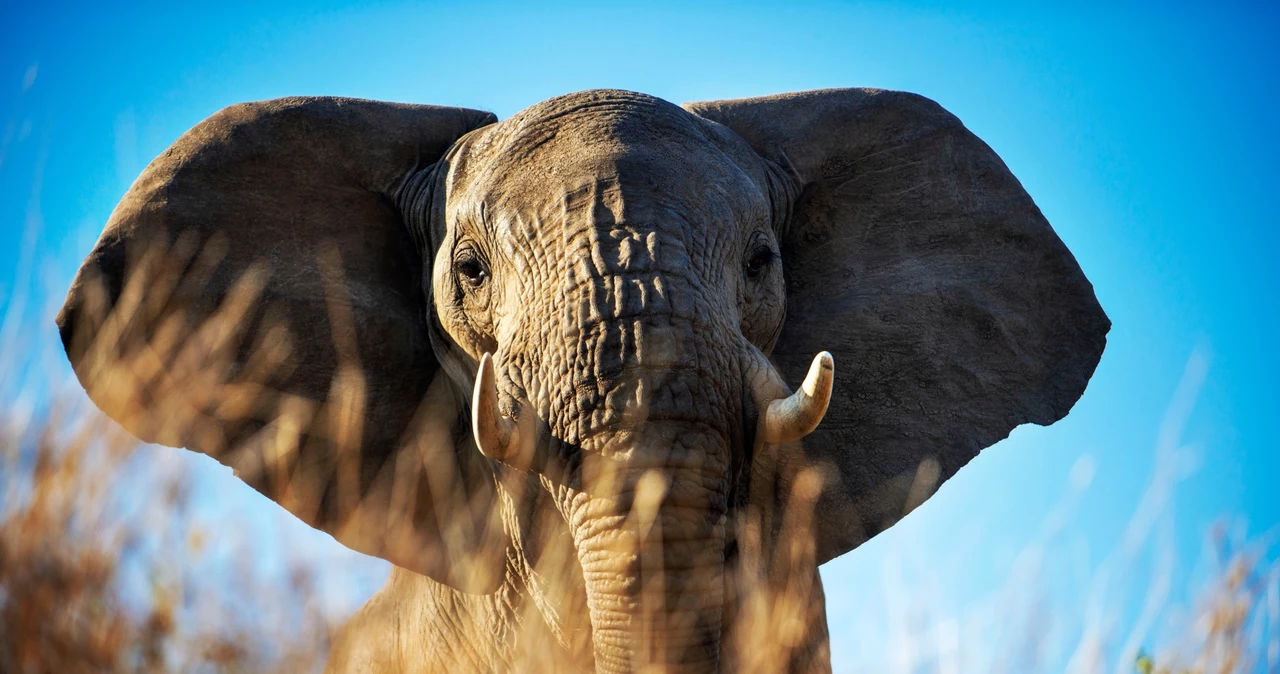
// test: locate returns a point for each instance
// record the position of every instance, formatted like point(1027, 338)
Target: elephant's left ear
point(953, 310)
point(257, 296)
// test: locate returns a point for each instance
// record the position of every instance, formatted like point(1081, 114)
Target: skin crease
point(629, 315)
point(602, 498)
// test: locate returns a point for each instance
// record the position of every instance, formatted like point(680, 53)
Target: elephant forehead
point(597, 120)
point(657, 155)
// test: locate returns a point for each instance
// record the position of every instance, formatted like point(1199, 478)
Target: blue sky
point(1147, 135)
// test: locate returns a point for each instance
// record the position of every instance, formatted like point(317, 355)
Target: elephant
point(542, 365)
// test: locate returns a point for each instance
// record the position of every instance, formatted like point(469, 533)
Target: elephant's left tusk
point(791, 418)
point(497, 437)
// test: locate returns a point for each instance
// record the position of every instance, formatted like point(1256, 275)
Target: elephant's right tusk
point(497, 437)
point(791, 418)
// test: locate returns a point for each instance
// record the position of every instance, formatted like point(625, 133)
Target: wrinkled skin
point(629, 315)
point(627, 264)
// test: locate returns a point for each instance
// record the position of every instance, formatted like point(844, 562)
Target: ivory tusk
point(789, 419)
point(496, 436)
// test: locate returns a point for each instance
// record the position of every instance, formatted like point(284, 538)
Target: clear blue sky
point(1149, 137)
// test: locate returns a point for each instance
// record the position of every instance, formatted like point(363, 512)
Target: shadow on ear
point(257, 297)
point(954, 312)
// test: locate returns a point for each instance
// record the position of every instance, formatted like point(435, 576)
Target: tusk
point(497, 437)
point(789, 419)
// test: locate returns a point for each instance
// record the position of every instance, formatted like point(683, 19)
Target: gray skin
point(645, 277)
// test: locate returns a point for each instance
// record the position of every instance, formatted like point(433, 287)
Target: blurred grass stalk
point(84, 509)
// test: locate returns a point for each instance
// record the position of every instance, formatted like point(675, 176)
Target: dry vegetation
point(81, 521)
point(1228, 630)
point(101, 569)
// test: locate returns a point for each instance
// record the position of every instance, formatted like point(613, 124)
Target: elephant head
point(392, 319)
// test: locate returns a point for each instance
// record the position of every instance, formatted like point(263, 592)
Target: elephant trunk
point(651, 544)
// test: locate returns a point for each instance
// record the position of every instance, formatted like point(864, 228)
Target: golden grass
point(1229, 624)
point(69, 547)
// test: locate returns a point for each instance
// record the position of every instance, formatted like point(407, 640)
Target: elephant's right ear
point(912, 254)
point(258, 297)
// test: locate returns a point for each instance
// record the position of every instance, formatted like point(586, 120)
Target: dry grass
point(81, 521)
point(102, 570)
point(103, 565)
point(1229, 624)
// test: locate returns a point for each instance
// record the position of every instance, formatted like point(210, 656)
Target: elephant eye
point(471, 271)
point(760, 258)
